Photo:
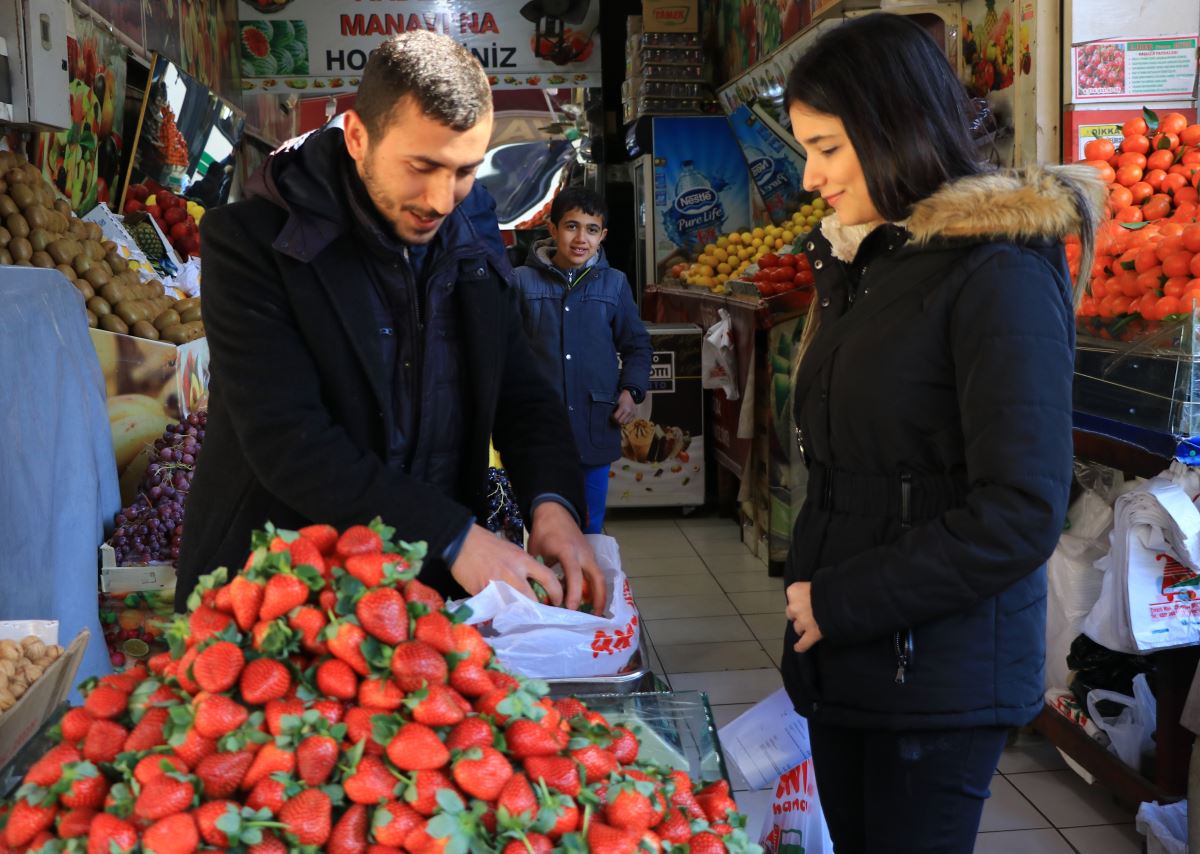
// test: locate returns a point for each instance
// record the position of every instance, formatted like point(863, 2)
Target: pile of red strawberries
point(325, 699)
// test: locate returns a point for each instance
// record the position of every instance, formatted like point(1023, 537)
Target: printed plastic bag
point(1130, 733)
point(1165, 827)
point(796, 824)
point(717, 360)
point(547, 642)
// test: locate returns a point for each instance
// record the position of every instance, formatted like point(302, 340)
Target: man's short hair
point(586, 200)
point(443, 77)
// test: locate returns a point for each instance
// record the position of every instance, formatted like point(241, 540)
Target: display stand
point(1104, 442)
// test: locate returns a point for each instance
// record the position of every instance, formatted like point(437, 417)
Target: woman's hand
point(799, 611)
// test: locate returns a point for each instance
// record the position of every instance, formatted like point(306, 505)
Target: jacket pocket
point(604, 433)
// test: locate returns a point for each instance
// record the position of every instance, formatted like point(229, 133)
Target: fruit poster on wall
point(778, 21)
point(84, 161)
point(123, 15)
point(1134, 70)
point(987, 47)
point(737, 34)
point(162, 26)
point(207, 32)
point(301, 45)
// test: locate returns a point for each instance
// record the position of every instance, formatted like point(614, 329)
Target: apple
point(133, 206)
point(175, 214)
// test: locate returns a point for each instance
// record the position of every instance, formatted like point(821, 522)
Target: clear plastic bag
point(1131, 732)
point(718, 364)
point(1165, 827)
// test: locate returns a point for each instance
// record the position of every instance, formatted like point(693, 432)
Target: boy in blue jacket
point(580, 316)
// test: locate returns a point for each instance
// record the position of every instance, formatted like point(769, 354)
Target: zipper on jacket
point(905, 500)
point(904, 655)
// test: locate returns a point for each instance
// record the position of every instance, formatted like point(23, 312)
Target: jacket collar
point(541, 257)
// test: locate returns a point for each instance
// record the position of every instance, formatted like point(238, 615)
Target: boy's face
point(577, 237)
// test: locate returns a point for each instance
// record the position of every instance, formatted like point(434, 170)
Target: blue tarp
point(58, 477)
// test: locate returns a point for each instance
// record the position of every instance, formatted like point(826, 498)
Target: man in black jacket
point(365, 345)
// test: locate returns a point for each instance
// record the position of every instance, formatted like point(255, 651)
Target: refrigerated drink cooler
point(662, 449)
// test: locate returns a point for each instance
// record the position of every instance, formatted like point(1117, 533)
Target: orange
point(1135, 126)
point(1144, 306)
point(1157, 207)
point(1145, 259)
point(1175, 286)
point(1172, 123)
point(1166, 306)
point(1169, 246)
point(1186, 194)
point(1138, 144)
point(1192, 156)
point(1185, 211)
point(1119, 197)
point(1140, 191)
point(1129, 175)
point(1177, 264)
point(1133, 213)
point(1194, 266)
point(1191, 238)
point(1099, 149)
point(1107, 173)
point(1132, 158)
point(1151, 281)
point(1164, 141)
point(1190, 135)
point(1160, 160)
point(1171, 229)
point(1155, 178)
point(1171, 183)
point(1098, 287)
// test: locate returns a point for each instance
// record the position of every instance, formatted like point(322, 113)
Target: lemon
point(722, 242)
point(720, 255)
point(778, 242)
point(735, 239)
point(724, 268)
point(757, 232)
point(788, 235)
point(135, 648)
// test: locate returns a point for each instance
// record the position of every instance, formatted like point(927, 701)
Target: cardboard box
point(137, 604)
point(671, 16)
point(22, 721)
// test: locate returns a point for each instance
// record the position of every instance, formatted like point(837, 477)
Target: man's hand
point(485, 557)
point(799, 611)
point(556, 538)
point(625, 409)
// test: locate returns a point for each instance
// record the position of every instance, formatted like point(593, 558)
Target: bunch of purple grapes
point(503, 514)
point(151, 528)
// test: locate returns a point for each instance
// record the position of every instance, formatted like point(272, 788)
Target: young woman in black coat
point(933, 409)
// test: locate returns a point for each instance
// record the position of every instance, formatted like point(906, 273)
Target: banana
point(132, 433)
point(129, 405)
point(106, 353)
point(132, 476)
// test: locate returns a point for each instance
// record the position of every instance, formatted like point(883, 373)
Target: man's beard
point(391, 210)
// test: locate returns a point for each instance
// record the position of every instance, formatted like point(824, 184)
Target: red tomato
point(768, 261)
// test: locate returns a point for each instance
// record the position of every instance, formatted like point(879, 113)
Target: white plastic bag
point(1165, 827)
point(1130, 733)
point(547, 642)
point(796, 823)
point(717, 360)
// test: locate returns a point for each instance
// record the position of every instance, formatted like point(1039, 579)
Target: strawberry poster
point(1112, 70)
point(322, 45)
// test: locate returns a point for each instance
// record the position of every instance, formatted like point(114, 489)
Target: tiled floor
point(715, 623)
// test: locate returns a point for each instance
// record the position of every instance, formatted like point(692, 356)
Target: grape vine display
point(150, 529)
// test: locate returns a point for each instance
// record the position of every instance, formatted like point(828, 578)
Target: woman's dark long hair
point(905, 111)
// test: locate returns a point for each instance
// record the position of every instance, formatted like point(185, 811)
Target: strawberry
point(421, 794)
point(306, 553)
point(105, 740)
point(284, 592)
point(106, 702)
point(381, 693)
point(469, 641)
point(505, 680)
point(195, 747)
point(527, 738)
point(206, 622)
point(490, 702)
point(224, 600)
point(371, 569)
point(148, 733)
point(268, 794)
point(629, 808)
point(218, 715)
point(183, 671)
point(327, 599)
point(263, 680)
point(310, 622)
point(336, 678)
point(246, 598)
point(331, 710)
point(560, 773)
point(207, 816)
point(217, 668)
point(481, 772)
point(470, 680)
point(349, 835)
point(276, 710)
point(415, 663)
point(675, 827)
point(358, 540)
point(75, 724)
point(472, 731)
point(221, 774)
point(415, 591)
point(48, 770)
point(435, 705)
point(421, 842)
point(346, 642)
point(361, 727)
point(392, 823)
point(163, 796)
point(324, 537)
point(75, 823)
point(26, 821)
point(516, 799)
point(597, 762)
point(158, 662)
point(271, 844)
point(706, 843)
point(371, 782)
point(316, 757)
point(604, 839)
point(383, 614)
point(683, 796)
point(416, 747)
point(535, 842)
point(715, 800)
point(153, 766)
point(85, 787)
point(270, 759)
point(175, 834)
point(624, 746)
point(110, 835)
point(308, 816)
point(436, 630)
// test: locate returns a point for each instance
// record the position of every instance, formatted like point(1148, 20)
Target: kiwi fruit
point(184, 304)
point(22, 194)
point(36, 216)
point(20, 249)
point(131, 311)
point(99, 306)
point(5, 256)
point(8, 206)
point(115, 262)
point(82, 263)
point(41, 259)
point(68, 271)
point(39, 239)
point(144, 329)
point(176, 333)
point(17, 225)
point(170, 317)
point(93, 321)
point(62, 207)
point(84, 288)
point(60, 251)
point(111, 291)
point(96, 276)
point(5, 236)
point(112, 323)
point(190, 315)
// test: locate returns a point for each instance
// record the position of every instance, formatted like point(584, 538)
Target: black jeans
point(905, 792)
